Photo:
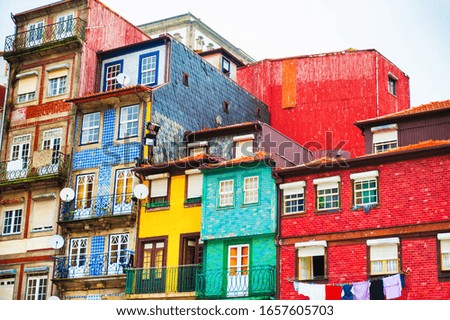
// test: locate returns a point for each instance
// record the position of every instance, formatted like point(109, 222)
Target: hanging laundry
point(317, 292)
point(304, 289)
point(376, 290)
point(333, 292)
point(360, 290)
point(392, 286)
point(347, 292)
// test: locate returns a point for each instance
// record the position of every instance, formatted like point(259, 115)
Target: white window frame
point(328, 188)
point(90, 131)
point(365, 181)
point(226, 193)
point(57, 86)
point(149, 69)
point(386, 262)
point(384, 137)
point(7, 283)
point(159, 194)
point(293, 194)
point(25, 97)
point(241, 144)
point(36, 33)
point(251, 190)
point(392, 84)
point(37, 285)
point(126, 124)
point(444, 250)
point(194, 180)
point(64, 26)
point(306, 251)
point(118, 249)
point(12, 221)
point(111, 82)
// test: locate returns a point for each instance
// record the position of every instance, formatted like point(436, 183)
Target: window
point(327, 193)
point(159, 190)
point(26, 89)
point(35, 33)
point(12, 222)
point(37, 287)
point(244, 146)
point(148, 69)
point(384, 137)
point(251, 190)
point(64, 26)
point(226, 66)
point(111, 71)
point(77, 257)
point(57, 86)
point(90, 128)
point(51, 140)
point(196, 148)
point(444, 250)
point(311, 262)
point(238, 270)
point(392, 84)
point(384, 256)
point(226, 106)
point(84, 192)
point(118, 253)
point(194, 185)
point(129, 120)
point(293, 197)
point(123, 191)
point(365, 188)
point(7, 286)
point(20, 153)
point(186, 79)
point(226, 193)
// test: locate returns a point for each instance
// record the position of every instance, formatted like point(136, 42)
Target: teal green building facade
point(239, 226)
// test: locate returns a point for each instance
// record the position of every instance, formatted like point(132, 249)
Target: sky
point(413, 34)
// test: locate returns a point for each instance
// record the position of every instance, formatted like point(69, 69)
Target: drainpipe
point(278, 238)
point(376, 79)
point(4, 107)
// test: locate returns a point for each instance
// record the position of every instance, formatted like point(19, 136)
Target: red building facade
point(315, 99)
point(367, 218)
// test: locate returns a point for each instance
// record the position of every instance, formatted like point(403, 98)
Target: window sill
point(188, 204)
point(293, 215)
point(162, 208)
point(253, 204)
point(364, 208)
point(328, 211)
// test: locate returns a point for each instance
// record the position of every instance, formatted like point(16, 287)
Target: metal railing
point(94, 265)
point(26, 168)
point(100, 206)
point(236, 283)
point(47, 34)
point(161, 280)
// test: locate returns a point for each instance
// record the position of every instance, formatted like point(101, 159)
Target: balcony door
point(51, 141)
point(118, 253)
point(77, 257)
point(238, 269)
point(153, 276)
point(123, 191)
point(84, 195)
point(64, 26)
point(190, 259)
point(35, 34)
point(20, 156)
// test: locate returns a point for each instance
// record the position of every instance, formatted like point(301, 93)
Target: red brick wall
point(412, 192)
point(326, 94)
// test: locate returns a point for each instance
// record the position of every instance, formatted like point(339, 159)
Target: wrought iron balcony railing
point(94, 265)
point(100, 206)
point(242, 282)
point(161, 280)
point(37, 166)
point(51, 33)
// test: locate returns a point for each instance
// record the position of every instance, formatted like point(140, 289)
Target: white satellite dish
point(56, 241)
point(219, 120)
point(123, 79)
point(67, 194)
point(140, 191)
point(53, 298)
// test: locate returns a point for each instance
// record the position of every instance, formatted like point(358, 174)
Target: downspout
point(4, 106)
point(278, 238)
point(376, 80)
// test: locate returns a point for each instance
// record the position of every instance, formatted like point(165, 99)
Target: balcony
point(162, 283)
point(252, 283)
point(44, 165)
point(108, 211)
point(64, 33)
point(92, 269)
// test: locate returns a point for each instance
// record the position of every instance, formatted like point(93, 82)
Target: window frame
point(365, 177)
point(229, 203)
point(117, 85)
point(192, 200)
point(287, 190)
point(83, 129)
point(156, 69)
point(159, 202)
point(122, 122)
point(443, 272)
point(254, 190)
point(384, 137)
point(392, 84)
point(225, 70)
point(311, 246)
point(324, 184)
point(39, 278)
point(59, 89)
point(13, 224)
point(384, 242)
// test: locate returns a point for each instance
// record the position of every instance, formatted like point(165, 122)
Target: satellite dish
point(123, 79)
point(67, 194)
point(140, 191)
point(219, 120)
point(56, 241)
point(53, 298)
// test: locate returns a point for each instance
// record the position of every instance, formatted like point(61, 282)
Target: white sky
point(413, 34)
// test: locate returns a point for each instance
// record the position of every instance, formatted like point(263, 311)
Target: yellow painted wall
point(171, 222)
